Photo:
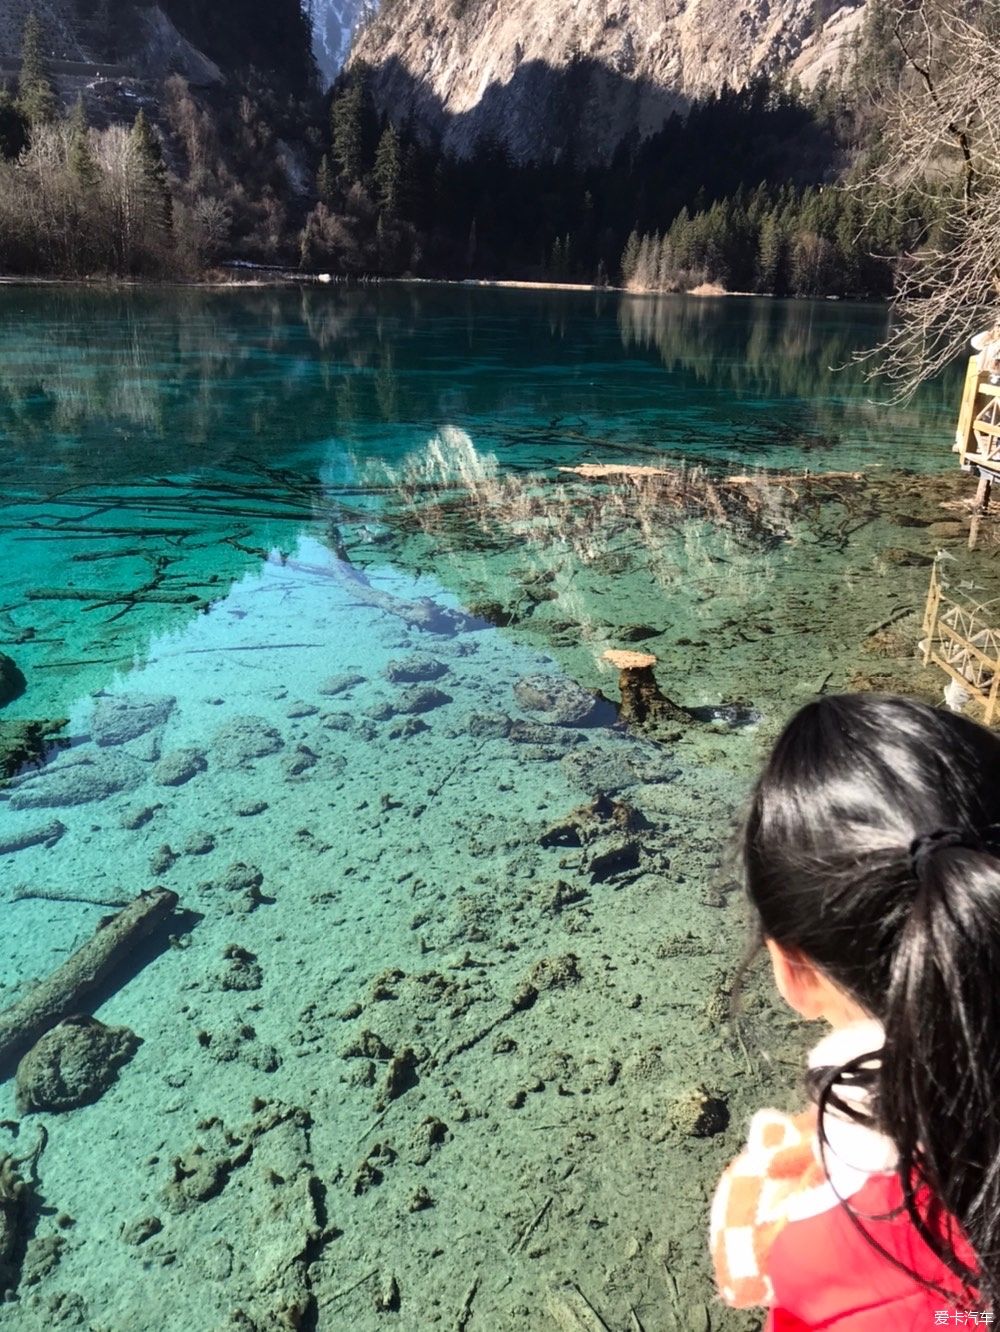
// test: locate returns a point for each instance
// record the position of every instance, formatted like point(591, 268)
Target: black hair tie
point(922, 848)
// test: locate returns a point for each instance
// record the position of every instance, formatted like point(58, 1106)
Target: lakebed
point(438, 1034)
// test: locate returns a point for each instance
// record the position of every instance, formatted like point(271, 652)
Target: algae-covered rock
point(240, 970)
point(242, 739)
point(13, 1221)
point(12, 681)
point(698, 1113)
point(420, 698)
point(73, 1064)
point(340, 684)
point(561, 702)
point(418, 669)
point(179, 767)
point(118, 718)
point(77, 779)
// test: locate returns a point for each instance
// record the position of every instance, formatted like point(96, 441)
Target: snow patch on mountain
point(334, 24)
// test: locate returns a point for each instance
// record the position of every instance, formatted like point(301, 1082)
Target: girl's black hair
point(872, 848)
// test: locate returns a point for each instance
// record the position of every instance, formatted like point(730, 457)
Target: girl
point(872, 860)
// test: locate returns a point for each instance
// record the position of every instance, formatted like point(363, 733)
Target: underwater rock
point(45, 834)
point(162, 860)
point(387, 1296)
point(73, 1064)
point(371, 1171)
point(299, 761)
point(698, 1113)
point(637, 633)
point(407, 728)
point(138, 816)
point(240, 1043)
point(13, 1221)
point(241, 883)
point(562, 702)
point(118, 718)
point(593, 820)
point(41, 1258)
point(195, 1177)
point(400, 1077)
point(554, 973)
point(249, 808)
point(179, 767)
point(79, 779)
point(552, 899)
point(25, 742)
point(242, 739)
point(488, 725)
point(301, 709)
point(428, 1135)
point(417, 669)
point(736, 715)
point(492, 612)
point(241, 971)
point(614, 859)
point(540, 733)
point(598, 769)
point(12, 681)
point(420, 698)
point(366, 1045)
point(199, 844)
point(340, 684)
point(907, 559)
point(141, 1229)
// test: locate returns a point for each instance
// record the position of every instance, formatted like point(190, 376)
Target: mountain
point(580, 75)
point(207, 44)
point(334, 24)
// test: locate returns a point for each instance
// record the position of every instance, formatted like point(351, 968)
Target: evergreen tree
point(152, 172)
point(325, 181)
point(388, 171)
point(630, 258)
point(13, 127)
point(36, 96)
point(347, 133)
point(771, 274)
point(81, 159)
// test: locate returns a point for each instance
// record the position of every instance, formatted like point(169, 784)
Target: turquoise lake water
point(325, 620)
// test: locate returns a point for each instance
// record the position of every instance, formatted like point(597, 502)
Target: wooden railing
point(977, 440)
point(959, 640)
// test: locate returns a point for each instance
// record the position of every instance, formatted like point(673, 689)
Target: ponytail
point(872, 848)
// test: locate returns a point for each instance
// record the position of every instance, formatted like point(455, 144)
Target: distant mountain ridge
point(547, 76)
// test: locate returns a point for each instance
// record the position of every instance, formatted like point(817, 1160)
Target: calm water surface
point(302, 574)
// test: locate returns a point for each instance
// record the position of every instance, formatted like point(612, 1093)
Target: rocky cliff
point(544, 75)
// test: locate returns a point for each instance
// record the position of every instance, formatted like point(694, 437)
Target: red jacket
point(782, 1238)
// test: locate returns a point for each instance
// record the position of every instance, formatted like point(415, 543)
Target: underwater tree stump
point(643, 702)
point(59, 996)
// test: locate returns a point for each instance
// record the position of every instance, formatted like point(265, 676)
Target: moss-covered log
point(60, 995)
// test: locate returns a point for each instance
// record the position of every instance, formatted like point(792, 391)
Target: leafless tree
point(941, 144)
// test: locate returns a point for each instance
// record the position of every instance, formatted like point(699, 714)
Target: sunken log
point(643, 703)
point(59, 996)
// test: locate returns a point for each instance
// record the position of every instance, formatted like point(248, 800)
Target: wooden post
point(983, 493)
point(963, 435)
